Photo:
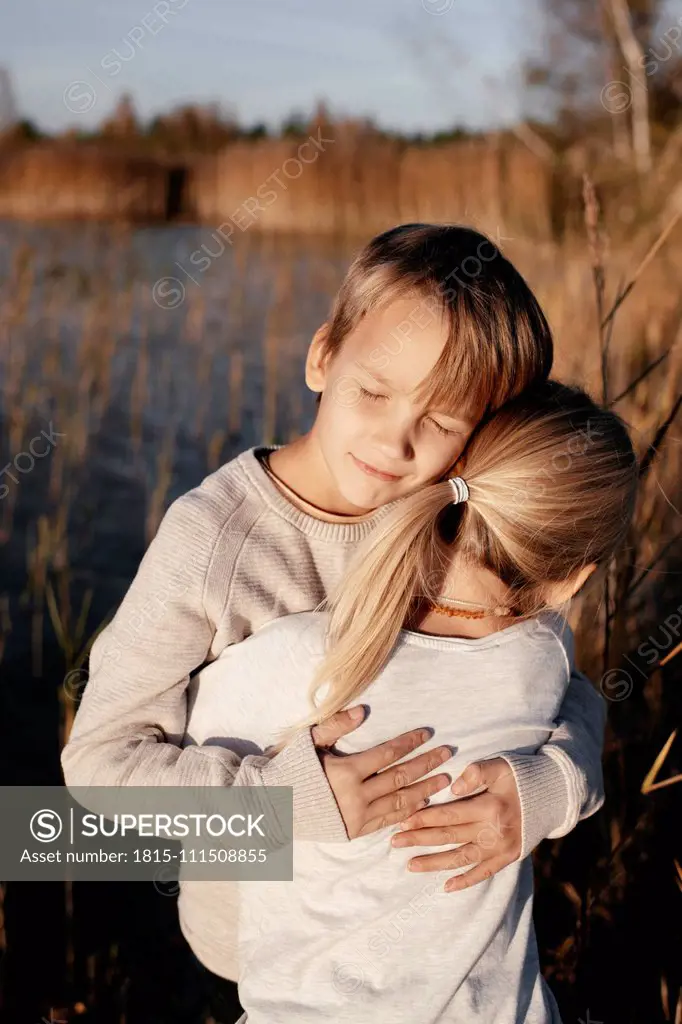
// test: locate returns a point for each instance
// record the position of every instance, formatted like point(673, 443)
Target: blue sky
point(398, 61)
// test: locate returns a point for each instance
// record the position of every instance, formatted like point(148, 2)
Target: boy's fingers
point(480, 775)
point(470, 780)
point(476, 810)
point(449, 859)
point(446, 836)
point(387, 818)
point(385, 812)
point(402, 775)
point(327, 733)
point(400, 804)
point(369, 762)
point(477, 874)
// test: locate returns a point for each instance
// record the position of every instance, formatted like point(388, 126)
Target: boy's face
point(369, 417)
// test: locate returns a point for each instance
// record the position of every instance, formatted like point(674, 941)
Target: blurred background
point(182, 185)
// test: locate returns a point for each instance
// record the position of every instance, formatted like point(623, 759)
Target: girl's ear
point(559, 593)
point(316, 364)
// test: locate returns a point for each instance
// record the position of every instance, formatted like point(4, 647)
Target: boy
point(432, 329)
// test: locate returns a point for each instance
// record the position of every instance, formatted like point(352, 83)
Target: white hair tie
point(460, 489)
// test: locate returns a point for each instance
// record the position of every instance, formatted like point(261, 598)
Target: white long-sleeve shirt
point(357, 937)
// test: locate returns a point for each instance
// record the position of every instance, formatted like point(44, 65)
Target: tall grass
point(148, 400)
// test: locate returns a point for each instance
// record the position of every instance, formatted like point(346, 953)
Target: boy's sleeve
point(133, 713)
point(563, 782)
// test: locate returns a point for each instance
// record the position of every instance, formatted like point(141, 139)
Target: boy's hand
point(488, 824)
point(369, 798)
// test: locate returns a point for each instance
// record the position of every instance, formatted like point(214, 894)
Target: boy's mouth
point(373, 471)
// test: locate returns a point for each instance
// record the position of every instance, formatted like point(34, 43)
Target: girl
point(445, 610)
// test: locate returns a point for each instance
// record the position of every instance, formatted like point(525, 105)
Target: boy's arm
point(563, 782)
point(133, 713)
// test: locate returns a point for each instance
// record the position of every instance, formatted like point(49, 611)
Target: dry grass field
point(144, 398)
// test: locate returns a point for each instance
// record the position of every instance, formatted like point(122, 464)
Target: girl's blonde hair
point(499, 341)
point(552, 481)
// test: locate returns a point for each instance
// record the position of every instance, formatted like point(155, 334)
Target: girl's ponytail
point(393, 567)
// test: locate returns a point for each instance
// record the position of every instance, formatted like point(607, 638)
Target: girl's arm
point(133, 713)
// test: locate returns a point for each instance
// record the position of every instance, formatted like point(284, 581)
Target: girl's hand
point(369, 798)
point(489, 826)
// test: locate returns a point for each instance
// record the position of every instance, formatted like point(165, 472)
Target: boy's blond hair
point(499, 339)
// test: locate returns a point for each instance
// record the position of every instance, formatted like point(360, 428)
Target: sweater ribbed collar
point(339, 533)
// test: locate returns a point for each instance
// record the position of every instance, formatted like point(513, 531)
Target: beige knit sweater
point(229, 556)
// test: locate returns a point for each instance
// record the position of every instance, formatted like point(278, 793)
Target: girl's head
point(432, 329)
point(552, 480)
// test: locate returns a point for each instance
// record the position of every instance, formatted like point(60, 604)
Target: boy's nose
point(394, 452)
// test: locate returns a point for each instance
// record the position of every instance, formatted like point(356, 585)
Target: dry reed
point(150, 399)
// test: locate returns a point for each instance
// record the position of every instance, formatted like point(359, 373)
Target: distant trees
point(8, 106)
point(123, 122)
point(195, 127)
point(614, 59)
point(200, 127)
point(13, 128)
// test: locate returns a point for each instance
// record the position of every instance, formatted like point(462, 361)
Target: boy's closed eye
point(373, 397)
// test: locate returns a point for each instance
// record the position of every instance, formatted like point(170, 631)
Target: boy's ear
point(317, 360)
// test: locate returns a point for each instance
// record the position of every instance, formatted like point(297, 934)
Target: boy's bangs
point(460, 382)
point(470, 378)
point(381, 286)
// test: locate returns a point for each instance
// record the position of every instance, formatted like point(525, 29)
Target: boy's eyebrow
point(377, 376)
point(382, 380)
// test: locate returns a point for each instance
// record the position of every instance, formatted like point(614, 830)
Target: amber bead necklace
point(464, 609)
